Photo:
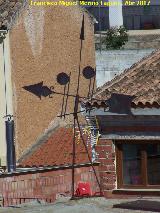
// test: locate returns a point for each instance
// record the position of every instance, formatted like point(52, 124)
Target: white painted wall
point(4, 98)
point(8, 75)
point(2, 109)
point(115, 14)
point(112, 62)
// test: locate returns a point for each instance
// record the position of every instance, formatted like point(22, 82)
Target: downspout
point(9, 123)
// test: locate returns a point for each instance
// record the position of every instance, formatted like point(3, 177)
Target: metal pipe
point(11, 161)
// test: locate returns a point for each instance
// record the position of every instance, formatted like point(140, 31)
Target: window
point(138, 164)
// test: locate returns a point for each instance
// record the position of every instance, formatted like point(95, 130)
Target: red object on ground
point(83, 189)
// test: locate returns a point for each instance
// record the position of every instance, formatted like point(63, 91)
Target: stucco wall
point(44, 42)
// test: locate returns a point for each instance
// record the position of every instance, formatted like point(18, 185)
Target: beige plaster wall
point(44, 42)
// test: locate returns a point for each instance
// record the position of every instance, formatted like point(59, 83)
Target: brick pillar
point(107, 170)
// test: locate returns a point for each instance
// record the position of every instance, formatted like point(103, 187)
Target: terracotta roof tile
point(57, 150)
point(141, 80)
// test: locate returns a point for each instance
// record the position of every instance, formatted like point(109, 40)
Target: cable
point(73, 157)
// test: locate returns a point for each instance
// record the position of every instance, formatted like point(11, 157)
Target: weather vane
point(64, 80)
point(118, 103)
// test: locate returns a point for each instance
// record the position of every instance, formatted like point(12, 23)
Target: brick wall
point(107, 170)
point(108, 176)
point(44, 185)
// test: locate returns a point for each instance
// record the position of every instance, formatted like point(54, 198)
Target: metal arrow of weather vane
point(64, 80)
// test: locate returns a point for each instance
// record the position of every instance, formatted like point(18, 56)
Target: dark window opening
point(138, 164)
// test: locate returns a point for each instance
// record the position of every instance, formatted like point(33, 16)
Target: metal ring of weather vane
point(89, 72)
point(63, 78)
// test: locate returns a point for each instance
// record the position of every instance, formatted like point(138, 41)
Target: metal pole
point(76, 104)
point(73, 158)
point(11, 161)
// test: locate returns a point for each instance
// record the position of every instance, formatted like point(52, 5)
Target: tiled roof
point(141, 80)
point(57, 150)
point(8, 11)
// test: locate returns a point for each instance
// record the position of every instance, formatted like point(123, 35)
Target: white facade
point(115, 14)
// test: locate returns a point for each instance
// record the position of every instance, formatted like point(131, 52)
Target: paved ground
point(93, 205)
